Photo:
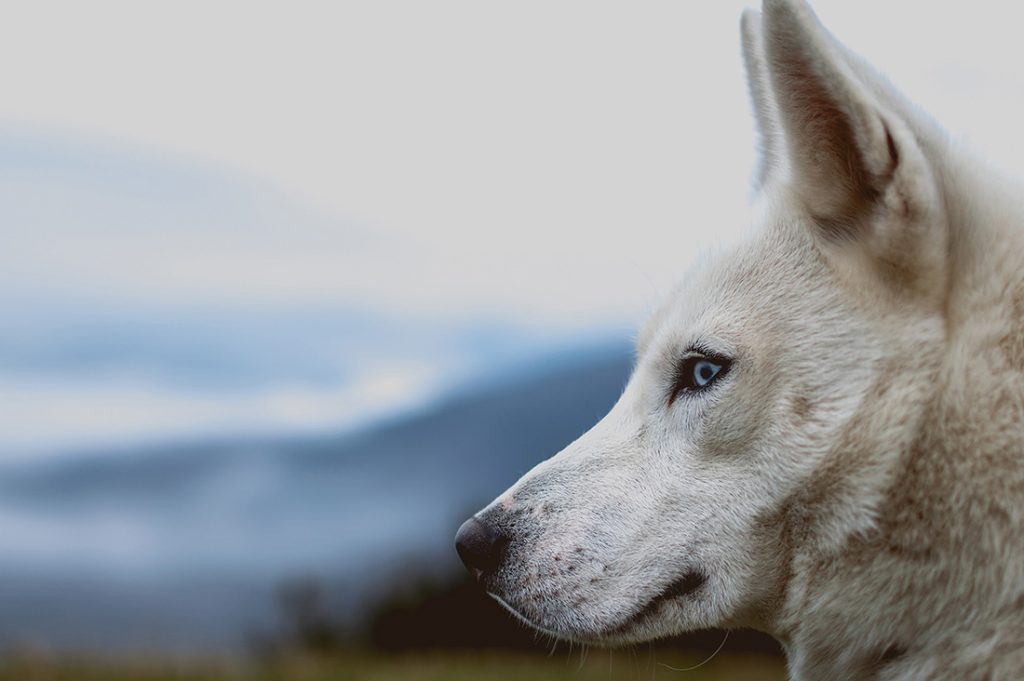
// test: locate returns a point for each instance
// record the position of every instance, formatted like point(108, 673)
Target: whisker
point(583, 657)
point(698, 666)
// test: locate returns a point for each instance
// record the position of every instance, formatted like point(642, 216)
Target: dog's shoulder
point(994, 652)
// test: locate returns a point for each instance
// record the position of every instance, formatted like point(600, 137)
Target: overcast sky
point(541, 160)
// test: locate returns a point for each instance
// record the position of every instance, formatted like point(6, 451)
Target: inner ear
point(841, 206)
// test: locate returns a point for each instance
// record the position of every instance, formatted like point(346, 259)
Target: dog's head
point(767, 390)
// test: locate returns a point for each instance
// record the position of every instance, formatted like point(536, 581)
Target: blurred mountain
point(77, 374)
point(184, 546)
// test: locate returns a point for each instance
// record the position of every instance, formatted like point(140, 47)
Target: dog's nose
point(480, 546)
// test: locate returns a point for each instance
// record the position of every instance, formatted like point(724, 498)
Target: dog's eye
point(704, 372)
point(698, 372)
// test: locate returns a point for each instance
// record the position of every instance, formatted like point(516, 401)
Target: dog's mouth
point(686, 585)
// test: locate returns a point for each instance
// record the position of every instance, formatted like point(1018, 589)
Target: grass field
point(598, 666)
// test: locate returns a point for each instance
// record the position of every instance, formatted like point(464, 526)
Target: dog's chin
point(646, 621)
point(553, 633)
point(595, 637)
point(626, 632)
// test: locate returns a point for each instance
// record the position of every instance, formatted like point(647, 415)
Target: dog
point(823, 434)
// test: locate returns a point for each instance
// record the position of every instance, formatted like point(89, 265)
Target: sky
point(547, 166)
point(550, 158)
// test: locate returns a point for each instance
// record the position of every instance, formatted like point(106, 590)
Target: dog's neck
point(935, 567)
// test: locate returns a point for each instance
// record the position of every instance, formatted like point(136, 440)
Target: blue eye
point(698, 372)
point(704, 372)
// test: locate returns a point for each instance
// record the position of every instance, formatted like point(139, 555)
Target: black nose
point(480, 546)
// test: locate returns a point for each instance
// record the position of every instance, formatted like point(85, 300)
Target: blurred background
point(289, 290)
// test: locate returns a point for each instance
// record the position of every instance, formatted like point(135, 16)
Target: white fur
point(854, 485)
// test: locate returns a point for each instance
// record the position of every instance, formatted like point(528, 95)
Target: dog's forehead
point(729, 288)
point(692, 301)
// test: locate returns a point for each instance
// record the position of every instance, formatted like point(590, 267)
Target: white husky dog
point(823, 436)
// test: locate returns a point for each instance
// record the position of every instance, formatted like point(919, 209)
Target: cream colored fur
point(854, 485)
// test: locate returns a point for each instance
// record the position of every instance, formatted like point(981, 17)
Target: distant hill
point(184, 546)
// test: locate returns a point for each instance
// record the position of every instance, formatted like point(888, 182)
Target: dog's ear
point(841, 150)
point(854, 160)
point(770, 154)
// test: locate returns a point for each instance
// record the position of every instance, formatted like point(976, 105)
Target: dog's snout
point(481, 547)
